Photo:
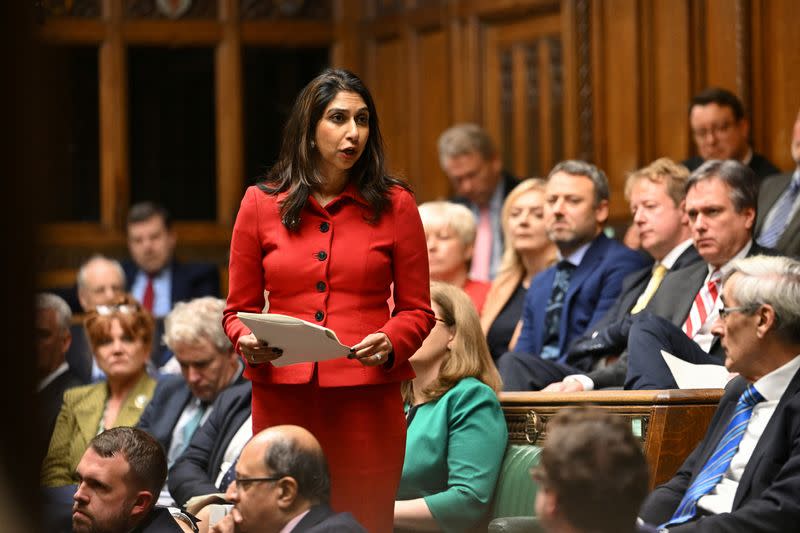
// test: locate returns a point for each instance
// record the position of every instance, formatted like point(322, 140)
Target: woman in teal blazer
point(456, 430)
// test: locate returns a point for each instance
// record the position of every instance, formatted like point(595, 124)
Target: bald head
point(100, 282)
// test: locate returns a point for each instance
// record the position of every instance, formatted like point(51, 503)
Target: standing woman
point(528, 251)
point(326, 234)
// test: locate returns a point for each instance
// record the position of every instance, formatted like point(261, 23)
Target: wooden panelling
point(720, 43)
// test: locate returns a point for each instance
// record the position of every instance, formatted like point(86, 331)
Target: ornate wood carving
point(149, 9)
point(277, 9)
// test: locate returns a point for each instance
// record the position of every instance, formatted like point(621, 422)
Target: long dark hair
point(296, 170)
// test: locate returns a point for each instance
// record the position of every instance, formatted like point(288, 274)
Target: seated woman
point(450, 232)
point(456, 430)
point(528, 251)
point(121, 338)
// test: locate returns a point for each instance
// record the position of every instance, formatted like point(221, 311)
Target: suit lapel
point(540, 293)
point(686, 284)
point(767, 196)
point(768, 438)
point(89, 410)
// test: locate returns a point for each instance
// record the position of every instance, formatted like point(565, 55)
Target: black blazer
point(768, 193)
point(768, 497)
point(165, 408)
point(189, 280)
point(322, 519)
point(195, 471)
point(760, 165)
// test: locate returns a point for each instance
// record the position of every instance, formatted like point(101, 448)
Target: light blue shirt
point(162, 290)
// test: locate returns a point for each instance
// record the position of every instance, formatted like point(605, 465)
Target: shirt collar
point(675, 253)
point(748, 156)
point(773, 385)
point(350, 191)
point(63, 367)
point(577, 256)
point(291, 524)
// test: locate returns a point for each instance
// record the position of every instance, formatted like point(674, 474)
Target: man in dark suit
point(564, 300)
point(214, 447)
point(472, 164)
point(745, 474)
point(208, 365)
point(282, 485)
point(656, 195)
point(778, 222)
point(53, 317)
point(721, 204)
point(721, 131)
point(154, 277)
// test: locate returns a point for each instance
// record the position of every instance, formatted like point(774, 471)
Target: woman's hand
point(256, 351)
point(373, 350)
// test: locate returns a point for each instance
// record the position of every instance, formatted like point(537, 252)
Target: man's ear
point(287, 492)
point(142, 503)
point(767, 320)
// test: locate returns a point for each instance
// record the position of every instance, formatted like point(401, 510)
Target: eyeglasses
point(714, 129)
point(725, 311)
point(244, 482)
point(125, 309)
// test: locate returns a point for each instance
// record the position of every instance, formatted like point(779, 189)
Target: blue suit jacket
point(595, 285)
point(766, 499)
point(162, 413)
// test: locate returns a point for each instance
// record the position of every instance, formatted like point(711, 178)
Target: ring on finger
point(377, 356)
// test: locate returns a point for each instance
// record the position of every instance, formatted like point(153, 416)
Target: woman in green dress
point(456, 430)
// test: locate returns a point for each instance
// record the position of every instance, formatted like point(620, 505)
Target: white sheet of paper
point(301, 341)
point(691, 376)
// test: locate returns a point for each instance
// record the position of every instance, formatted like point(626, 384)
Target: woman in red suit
point(326, 235)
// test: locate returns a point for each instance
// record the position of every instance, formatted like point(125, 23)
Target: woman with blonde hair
point(528, 251)
point(450, 231)
point(457, 434)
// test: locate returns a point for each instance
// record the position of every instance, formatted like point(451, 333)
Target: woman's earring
point(313, 144)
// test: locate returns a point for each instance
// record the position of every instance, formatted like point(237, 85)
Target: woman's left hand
point(373, 350)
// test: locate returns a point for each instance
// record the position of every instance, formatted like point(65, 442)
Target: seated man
point(208, 365)
point(53, 317)
point(282, 485)
point(592, 474)
point(564, 300)
point(745, 474)
point(120, 475)
point(721, 201)
point(656, 195)
point(201, 469)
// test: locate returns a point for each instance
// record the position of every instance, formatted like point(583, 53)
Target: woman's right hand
point(256, 351)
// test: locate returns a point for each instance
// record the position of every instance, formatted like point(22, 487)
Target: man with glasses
point(745, 474)
point(720, 203)
point(721, 131)
point(282, 485)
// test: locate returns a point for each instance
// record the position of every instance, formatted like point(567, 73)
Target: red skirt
point(362, 431)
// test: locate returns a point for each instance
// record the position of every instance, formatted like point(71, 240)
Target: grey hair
point(97, 257)
point(739, 178)
point(575, 167)
point(464, 139)
point(48, 300)
point(308, 466)
point(201, 317)
point(772, 280)
point(455, 216)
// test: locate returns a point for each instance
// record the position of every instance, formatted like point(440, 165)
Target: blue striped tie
point(780, 214)
point(718, 463)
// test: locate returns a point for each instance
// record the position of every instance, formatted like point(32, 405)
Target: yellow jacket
point(78, 422)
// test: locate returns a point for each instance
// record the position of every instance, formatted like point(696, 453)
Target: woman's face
point(342, 133)
point(435, 344)
point(447, 254)
point(526, 222)
point(120, 355)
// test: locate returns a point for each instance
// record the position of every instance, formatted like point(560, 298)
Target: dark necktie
point(718, 463)
point(228, 477)
point(552, 316)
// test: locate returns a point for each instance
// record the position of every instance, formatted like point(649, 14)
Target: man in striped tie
point(745, 474)
point(721, 201)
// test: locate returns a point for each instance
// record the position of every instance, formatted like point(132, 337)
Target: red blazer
point(336, 271)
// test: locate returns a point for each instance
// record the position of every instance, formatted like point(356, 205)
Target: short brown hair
point(134, 320)
point(596, 468)
point(663, 170)
point(144, 454)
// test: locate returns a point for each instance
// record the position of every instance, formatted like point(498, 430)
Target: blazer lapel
point(685, 288)
point(133, 406)
point(89, 410)
point(768, 438)
point(767, 196)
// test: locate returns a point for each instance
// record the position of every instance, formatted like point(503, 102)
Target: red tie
point(147, 298)
point(703, 305)
point(482, 251)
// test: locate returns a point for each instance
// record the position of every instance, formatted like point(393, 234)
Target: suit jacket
point(595, 285)
point(78, 422)
point(195, 471)
point(159, 520)
point(322, 519)
point(675, 297)
point(760, 165)
point(189, 280)
point(50, 400)
point(79, 355)
point(170, 398)
point(767, 496)
point(633, 286)
point(768, 193)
